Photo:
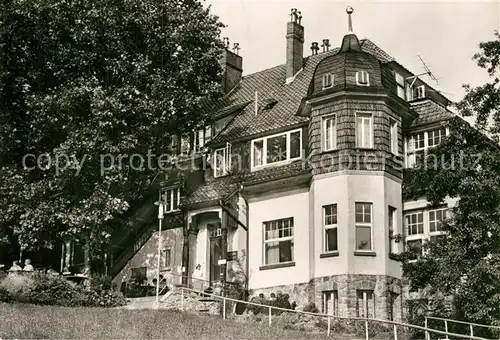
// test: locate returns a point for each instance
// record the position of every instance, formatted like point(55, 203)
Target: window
point(171, 197)
point(202, 137)
point(330, 227)
point(174, 145)
point(436, 218)
point(328, 80)
point(331, 302)
point(414, 247)
point(435, 137)
point(222, 161)
point(418, 143)
point(393, 136)
point(139, 274)
point(415, 223)
point(392, 307)
point(168, 258)
point(364, 130)
point(365, 304)
point(419, 92)
point(436, 239)
point(329, 133)
point(392, 215)
point(363, 226)
point(362, 78)
point(278, 241)
point(401, 87)
point(185, 147)
point(278, 148)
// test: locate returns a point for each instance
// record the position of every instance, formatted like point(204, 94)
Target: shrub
point(4, 295)
point(43, 289)
point(281, 301)
point(311, 308)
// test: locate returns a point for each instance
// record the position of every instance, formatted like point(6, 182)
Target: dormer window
point(327, 80)
point(419, 92)
point(362, 78)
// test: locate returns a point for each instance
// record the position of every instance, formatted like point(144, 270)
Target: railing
point(205, 283)
point(329, 318)
point(446, 321)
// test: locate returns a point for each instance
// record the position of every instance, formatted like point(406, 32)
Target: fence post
point(471, 330)
point(426, 331)
point(182, 299)
point(223, 308)
point(446, 328)
point(366, 329)
point(329, 323)
point(269, 316)
point(395, 332)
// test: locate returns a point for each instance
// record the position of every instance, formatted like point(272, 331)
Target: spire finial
point(349, 11)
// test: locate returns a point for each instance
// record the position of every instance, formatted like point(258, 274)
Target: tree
point(465, 264)
point(83, 82)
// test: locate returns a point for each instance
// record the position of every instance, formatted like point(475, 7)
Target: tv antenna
point(427, 72)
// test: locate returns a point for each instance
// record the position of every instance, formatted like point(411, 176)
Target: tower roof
point(350, 42)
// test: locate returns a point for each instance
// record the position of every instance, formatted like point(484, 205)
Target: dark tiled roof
point(220, 188)
point(270, 83)
point(216, 189)
point(429, 112)
point(273, 173)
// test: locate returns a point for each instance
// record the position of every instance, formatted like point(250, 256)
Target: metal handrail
point(463, 322)
point(329, 317)
point(192, 278)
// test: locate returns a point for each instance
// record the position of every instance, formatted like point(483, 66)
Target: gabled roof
point(429, 112)
point(271, 83)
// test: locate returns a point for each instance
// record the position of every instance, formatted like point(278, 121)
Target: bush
point(281, 301)
point(4, 295)
point(311, 308)
point(43, 289)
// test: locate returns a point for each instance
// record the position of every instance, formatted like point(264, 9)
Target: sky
point(445, 34)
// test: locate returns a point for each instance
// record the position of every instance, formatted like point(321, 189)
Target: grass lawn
point(46, 322)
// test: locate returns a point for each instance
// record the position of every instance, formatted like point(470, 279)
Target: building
point(296, 183)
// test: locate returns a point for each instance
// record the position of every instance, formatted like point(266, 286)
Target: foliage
point(82, 82)
point(280, 301)
point(4, 295)
point(465, 264)
point(46, 289)
point(311, 307)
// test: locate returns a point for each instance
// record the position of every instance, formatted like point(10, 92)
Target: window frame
point(418, 89)
point(364, 225)
point(334, 301)
point(437, 231)
point(393, 136)
point(400, 86)
point(168, 257)
point(170, 192)
point(265, 164)
point(358, 74)
point(407, 225)
point(226, 161)
point(330, 227)
point(324, 83)
point(333, 136)
point(411, 153)
point(393, 228)
point(278, 239)
point(366, 302)
point(364, 115)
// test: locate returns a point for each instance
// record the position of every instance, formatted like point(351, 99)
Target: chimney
point(326, 45)
point(294, 45)
point(314, 48)
point(232, 65)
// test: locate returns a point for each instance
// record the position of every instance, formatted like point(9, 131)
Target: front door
point(215, 256)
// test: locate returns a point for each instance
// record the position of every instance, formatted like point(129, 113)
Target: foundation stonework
point(388, 294)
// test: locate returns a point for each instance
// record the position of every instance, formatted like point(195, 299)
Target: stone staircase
point(193, 302)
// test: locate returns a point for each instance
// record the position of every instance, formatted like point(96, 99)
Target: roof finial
point(349, 11)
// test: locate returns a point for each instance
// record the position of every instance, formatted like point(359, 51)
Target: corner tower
point(355, 140)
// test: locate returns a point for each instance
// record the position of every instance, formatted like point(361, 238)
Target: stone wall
point(384, 288)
